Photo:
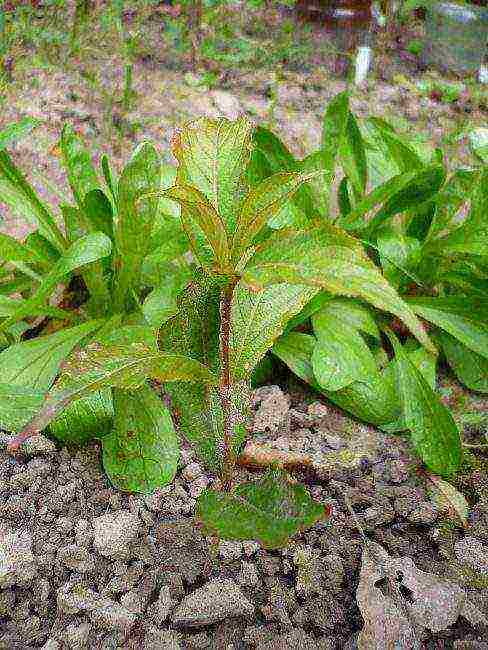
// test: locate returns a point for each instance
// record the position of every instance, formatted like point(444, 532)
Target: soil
point(86, 566)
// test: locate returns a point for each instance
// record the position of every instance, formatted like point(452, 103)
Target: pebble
point(471, 551)
point(229, 550)
point(17, 563)
point(37, 445)
point(77, 558)
point(191, 472)
point(161, 640)
point(113, 533)
point(227, 104)
point(215, 601)
point(111, 616)
point(272, 414)
point(248, 576)
point(77, 636)
point(159, 611)
point(425, 513)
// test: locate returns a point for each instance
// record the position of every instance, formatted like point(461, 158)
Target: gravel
point(85, 566)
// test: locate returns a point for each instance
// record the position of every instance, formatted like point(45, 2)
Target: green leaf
point(160, 304)
point(262, 203)
point(258, 319)
point(464, 317)
point(213, 155)
point(398, 148)
point(398, 253)
point(36, 363)
point(108, 176)
point(86, 419)
point(123, 366)
point(137, 208)
point(478, 140)
point(343, 198)
point(434, 433)
point(314, 304)
point(353, 157)
point(398, 194)
point(86, 250)
point(327, 258)
point(18, 405)
point(270, 511)
point(16, 192)
point(141, 454)
point(295, 350)
point(17, 130)
point(168, 242)
point(98, 211)
point(193, 331)
point(42, 247)
point(82, 176)
point(341, 356)
point(352, 313)
point(277, 155)
point(199, 217)
point(334, 127)
point(472, 236)
point(373, 402)
point(12, 250)
point(470, 368)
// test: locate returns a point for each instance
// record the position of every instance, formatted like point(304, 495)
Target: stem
point(127, 86)
point(196, 31)
point(225, 381)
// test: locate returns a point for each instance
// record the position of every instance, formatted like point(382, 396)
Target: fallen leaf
point(398, 601)
point(448, 499)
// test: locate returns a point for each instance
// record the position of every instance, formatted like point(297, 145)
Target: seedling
point(246, 281)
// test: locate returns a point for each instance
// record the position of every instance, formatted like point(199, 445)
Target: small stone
point(161, 640)
point(51, 644)
point(160, 610)
point(112, 616)
point(424, 513)
point(17, 563)
point(215, 601)
point(272, 414)
point(133, 601)
point(191, 472)
point(71, 600)
point(227, 104)
point(248, 576)
point(334, 442)
point(318, 410)
point(296, 639)
point(250, 548)
point(198, 641)
point(198, 486)
point(471, 551)
point(398, 471)
point(77, 636)
point(77, 558)
point(68, 492)
point(113, 532)
point(38, 444)
point(269, 564)
point(377, 516)
point(229, 550)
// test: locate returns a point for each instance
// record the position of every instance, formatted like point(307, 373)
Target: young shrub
point(247, 281)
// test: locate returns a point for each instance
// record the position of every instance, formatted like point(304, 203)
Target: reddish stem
point(225, 381)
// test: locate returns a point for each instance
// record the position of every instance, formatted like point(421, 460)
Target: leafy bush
point(190, 276)
point(411, 226)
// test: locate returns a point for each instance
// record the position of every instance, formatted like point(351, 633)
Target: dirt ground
point(85, 566)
